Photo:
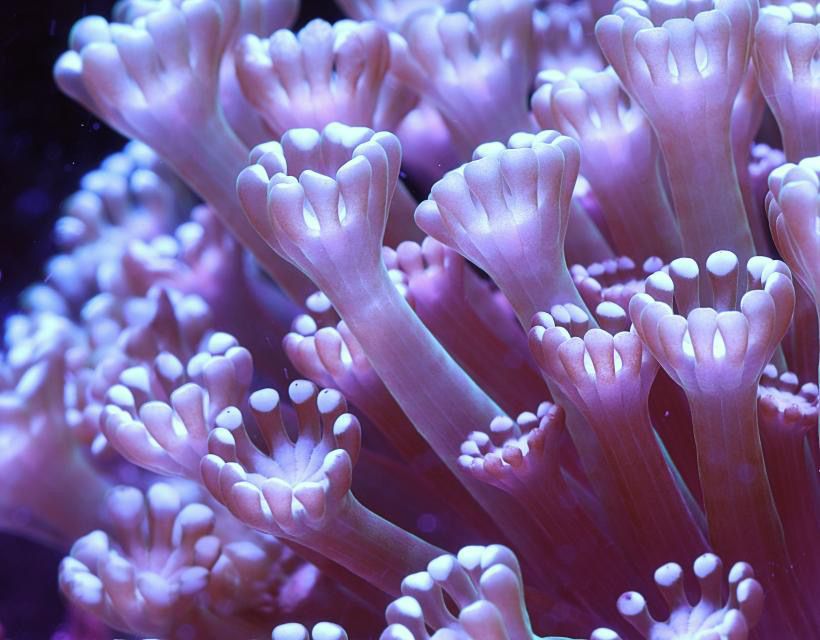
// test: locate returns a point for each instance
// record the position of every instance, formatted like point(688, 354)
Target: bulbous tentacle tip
point(298, 481)
point(332, 208)
point(321, 74)
point(146, 575)
point(320, 631)
point(511, 451)
point(485, 585)
point(713, 616)
point(793, 207)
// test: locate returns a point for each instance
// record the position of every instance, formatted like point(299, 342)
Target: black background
point(47, 143)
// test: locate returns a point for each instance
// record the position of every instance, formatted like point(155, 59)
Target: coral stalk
point(717, 357)
point(608, 378)
point(652, 47)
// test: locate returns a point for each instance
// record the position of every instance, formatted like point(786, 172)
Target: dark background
point(47, 143)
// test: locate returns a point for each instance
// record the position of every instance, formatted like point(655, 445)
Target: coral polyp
point(446, 321)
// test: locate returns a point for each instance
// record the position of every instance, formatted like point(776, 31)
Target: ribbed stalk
point(740, 509)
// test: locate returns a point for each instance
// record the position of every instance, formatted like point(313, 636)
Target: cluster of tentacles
point(263, 390)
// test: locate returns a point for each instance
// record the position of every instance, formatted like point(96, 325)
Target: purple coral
point(578, 359)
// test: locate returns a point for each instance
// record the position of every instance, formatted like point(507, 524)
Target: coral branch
point(608, 378)
point(459, 308)
point(486, 585)
point(787, 414)
point(327, 225)
point(785, 45)
point(159, 83)
point(619, 157)
point(523, 458)
point(474, 67)
point(506, 207)
point(688, 93)
point(717, 355)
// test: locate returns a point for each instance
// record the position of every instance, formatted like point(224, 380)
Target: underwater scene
point(410, 320)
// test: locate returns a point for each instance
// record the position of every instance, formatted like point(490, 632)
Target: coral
point(151, 577)
point(784, 47)
point(261, 390)
point(690, 91)
point(486, 585)
point(474, 67)
point(706, 619)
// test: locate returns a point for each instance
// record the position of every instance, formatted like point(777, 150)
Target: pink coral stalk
point(717, 355)
point(524, 458)
point(619, 157)
point(688, 94)
point(458, 307)
point(669, 411)
point(585, 241)
point(334, 221)
point(786, 43)
point(500, 211)
point(147, 81)
point(747, 116)
point(506, 207)
point(332, 358)
point(788, 417)
point(607, 375)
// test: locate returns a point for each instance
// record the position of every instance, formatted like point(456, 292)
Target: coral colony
point(264, 392)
